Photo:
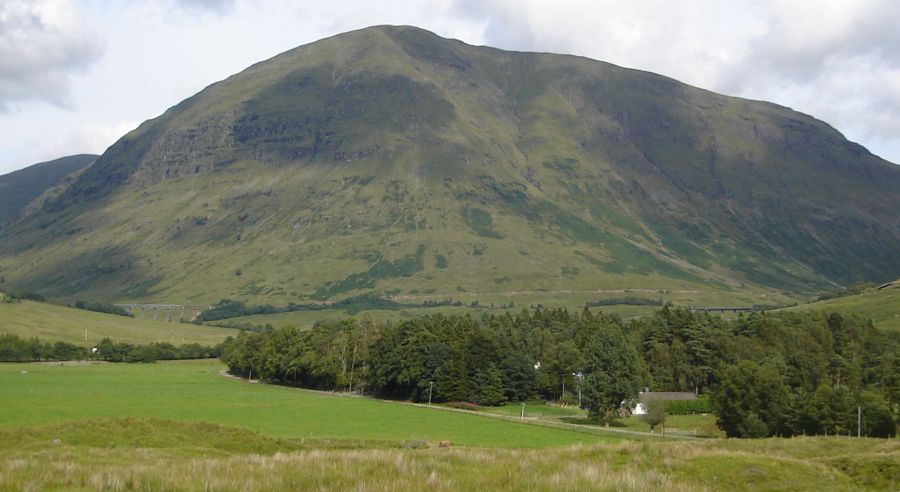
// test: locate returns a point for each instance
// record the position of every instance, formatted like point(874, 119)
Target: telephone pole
point(859, 421)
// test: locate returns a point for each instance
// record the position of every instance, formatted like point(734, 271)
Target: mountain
point(19, 188)
point(391, 160)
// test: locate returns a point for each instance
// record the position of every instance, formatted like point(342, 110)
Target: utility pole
point(430, 386)
point(859, 421)
point(579, 377)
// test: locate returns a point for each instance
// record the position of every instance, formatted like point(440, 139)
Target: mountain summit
point(392, 160)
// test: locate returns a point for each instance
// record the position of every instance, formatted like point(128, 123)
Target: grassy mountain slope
point(881, 305)
point(52, 323)
point(391, 160)
point(19, 188)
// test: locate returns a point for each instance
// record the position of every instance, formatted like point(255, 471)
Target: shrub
point(27, 296)
point(752, 426)
point(103, 307)
point(628, 300)
point(685, 407)
point(656, 413)
point(463, 405)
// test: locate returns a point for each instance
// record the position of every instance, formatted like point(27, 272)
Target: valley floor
point(179, 426)
point(155, 454)
point(194, 391)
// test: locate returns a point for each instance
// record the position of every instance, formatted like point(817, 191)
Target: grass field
point(194, 391)
point(699, 425)
point(53, 323)
point(182, 426)
point(533, 411)
point(882, 306)
point(155, 454)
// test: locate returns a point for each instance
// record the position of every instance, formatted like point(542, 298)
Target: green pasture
point(700, 425)
point(535, 411)
point(159, 454)
point(194, 391)
point(53, 323)
point(881, 306)
point(182, 426)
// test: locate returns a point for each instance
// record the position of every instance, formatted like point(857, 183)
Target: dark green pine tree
point(612, 375)
point(454, 385)
point(489, 386)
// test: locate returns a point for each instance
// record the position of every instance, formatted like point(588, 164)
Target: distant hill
point(393, 161)
point(19, 188)
point(53, 323)
point(882, 305)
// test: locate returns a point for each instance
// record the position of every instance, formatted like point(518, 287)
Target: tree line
point(778, 373)
point(17, 349)
point(229, 308)
point(765, 373)
point(103, 307)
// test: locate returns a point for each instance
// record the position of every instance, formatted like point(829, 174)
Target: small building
point(640, 408)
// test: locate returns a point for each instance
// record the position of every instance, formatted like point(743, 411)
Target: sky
point(76, 75)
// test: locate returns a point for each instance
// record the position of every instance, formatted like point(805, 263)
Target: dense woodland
point(17, 349)
point(765, 374)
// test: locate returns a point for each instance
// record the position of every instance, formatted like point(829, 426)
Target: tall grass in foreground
point(369, 469)
point(154, 454)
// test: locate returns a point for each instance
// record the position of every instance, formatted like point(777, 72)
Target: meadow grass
point(702, 425)
point(538, 411)
point(881, 306)
point(53, 323)
point(105, 455)
point(194, 391)
point(182, 426)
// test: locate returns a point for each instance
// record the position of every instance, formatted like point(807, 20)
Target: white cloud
point(42, 43)
point(210, 5)
point(89, 138)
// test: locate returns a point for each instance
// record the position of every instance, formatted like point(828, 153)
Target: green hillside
point(393, 161)
point(882, 305)
point(19, 188)
point(54, 323)
point(514, 302)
